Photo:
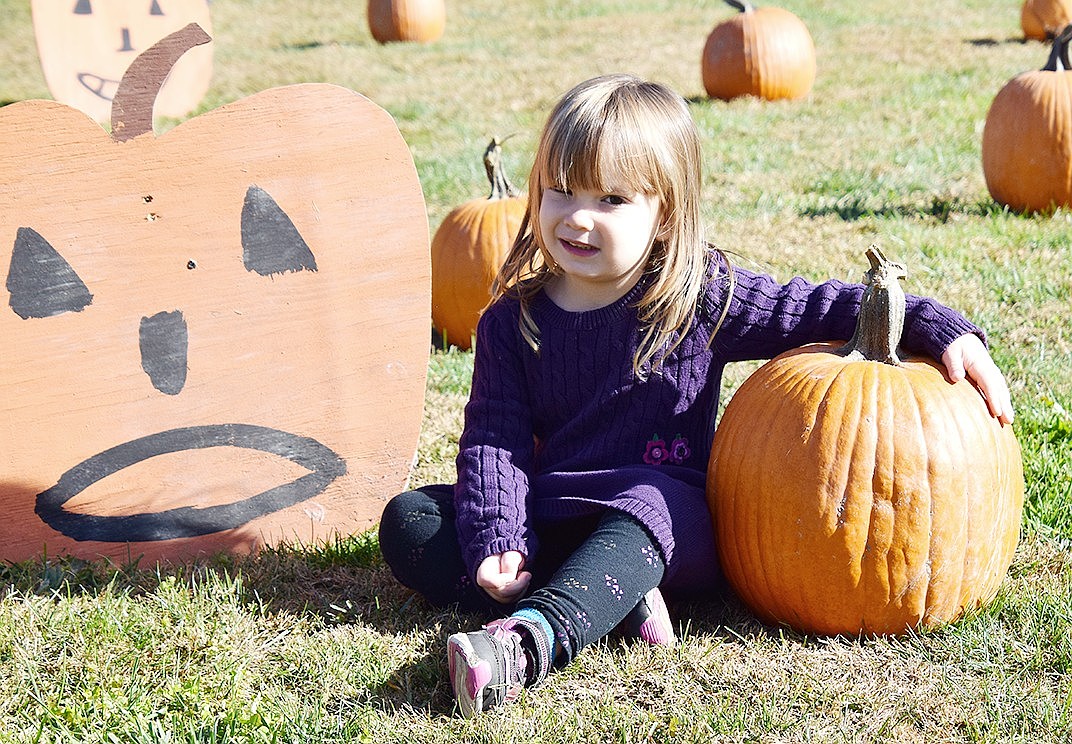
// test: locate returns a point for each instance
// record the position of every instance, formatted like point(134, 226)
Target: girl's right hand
point(501, 576)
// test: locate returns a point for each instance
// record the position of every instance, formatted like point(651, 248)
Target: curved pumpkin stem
point(132, 106)
point(1058, 61)
point(501, 188)
point(742, 5)
point(882, 313)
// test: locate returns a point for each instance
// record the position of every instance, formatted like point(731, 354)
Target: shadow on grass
point(343, 584)
point(854, 206)
point(988, 41)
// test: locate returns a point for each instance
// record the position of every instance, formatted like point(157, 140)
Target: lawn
point(319, 644)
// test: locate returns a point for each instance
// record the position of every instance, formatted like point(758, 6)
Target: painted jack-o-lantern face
point(85, 46)
point(211, 339)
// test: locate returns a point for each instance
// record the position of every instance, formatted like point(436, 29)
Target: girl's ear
point(664, 231)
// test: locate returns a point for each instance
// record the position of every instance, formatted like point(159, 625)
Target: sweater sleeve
point(766, 318)
point(496, 446)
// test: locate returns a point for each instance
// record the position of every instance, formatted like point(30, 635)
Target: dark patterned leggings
point(588, 574)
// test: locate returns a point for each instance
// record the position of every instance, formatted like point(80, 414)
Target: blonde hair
point(623, 128)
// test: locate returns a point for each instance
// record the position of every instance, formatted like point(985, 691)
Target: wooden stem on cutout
point(132, 106)
point(501, 188)
point(882, 313)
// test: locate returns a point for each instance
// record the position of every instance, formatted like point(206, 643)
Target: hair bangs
point(604, 151)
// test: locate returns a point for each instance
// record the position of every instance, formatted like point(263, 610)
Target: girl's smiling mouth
point(577, 249)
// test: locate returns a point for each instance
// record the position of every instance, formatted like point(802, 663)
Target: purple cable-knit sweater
point(571, 431)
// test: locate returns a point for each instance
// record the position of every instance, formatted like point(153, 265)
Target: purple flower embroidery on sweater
point(679, 450)
point(656, 451)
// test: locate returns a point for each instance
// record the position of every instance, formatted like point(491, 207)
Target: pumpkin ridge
point(903, 409)
point(832, 528)
point(951, 554)
point(789, 537)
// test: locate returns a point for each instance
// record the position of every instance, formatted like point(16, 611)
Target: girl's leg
point(419, 543)
point(599, 585)
point(613, 573)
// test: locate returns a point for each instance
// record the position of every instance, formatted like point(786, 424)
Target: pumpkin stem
point(742, 5)
point(1058, 61)
point(882, 313)
point(501, 188)
point(132, 106)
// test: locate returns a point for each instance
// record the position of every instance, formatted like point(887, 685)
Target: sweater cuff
point(932, 327)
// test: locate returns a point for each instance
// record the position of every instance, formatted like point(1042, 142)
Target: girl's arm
point(496, 447)
point(766, 318)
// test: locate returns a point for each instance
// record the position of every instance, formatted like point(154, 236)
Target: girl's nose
point(579, 218)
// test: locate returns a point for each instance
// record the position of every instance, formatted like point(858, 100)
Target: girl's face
point(599, 239)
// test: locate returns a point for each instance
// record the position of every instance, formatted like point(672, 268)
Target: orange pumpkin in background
point(1041, 20)
point(765, 52)
point(856, 492)
point(214, 339)
point(407, 20)
point(1027, 136)
point(468, 248)
point(85, 46)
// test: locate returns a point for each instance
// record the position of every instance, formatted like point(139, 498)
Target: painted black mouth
point(187, 521)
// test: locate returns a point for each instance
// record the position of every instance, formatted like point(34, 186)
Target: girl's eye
point(615, 200)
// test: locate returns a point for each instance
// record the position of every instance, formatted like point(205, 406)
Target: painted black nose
point(164, 342)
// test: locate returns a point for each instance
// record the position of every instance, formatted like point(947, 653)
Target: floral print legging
point(587, 577)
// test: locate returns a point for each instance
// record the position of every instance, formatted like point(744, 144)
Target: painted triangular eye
point(270, 242)
point(40, 280)
point(83, 7)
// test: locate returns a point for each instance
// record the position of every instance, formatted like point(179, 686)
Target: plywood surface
point(211, 339)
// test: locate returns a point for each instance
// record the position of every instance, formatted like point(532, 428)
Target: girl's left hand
point(968, 357)
point(502, 576)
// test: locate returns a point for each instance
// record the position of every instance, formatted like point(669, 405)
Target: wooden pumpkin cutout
point(213, 339)
point(85, 46)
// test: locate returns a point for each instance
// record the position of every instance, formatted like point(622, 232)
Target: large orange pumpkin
point(407, 20)
point(85, 46)
point(468, 248)
point(1027, 136)
point(765, 52)
point(854, 492)
point(1044, 19)
point(213, 339)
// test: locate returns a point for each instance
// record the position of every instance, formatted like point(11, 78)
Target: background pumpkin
point(1044, 19)
point(1027, 136)
point(468, 248)
point(853, 492)
point(765, 52)
point(205, 346)
point(407, 20)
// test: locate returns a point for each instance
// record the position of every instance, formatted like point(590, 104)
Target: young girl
point(581, 467)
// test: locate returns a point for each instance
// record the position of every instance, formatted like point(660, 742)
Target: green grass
point(304, 644)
